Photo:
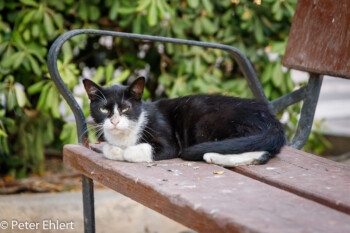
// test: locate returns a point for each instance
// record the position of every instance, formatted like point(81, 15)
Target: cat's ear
point(92, 89)
point(136, 88)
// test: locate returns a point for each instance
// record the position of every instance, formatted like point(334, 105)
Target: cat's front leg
point(113, 152)
point(139, 153)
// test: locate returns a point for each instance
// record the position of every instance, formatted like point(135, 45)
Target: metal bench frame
point(308, 93)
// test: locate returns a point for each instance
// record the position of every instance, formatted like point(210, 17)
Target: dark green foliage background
point(30, 119)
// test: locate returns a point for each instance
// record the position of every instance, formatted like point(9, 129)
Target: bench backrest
point(319, 40)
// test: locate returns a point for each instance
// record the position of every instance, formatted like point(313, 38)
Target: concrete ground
point(114, 213)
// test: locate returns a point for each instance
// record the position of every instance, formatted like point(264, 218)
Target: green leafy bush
point(30, 116)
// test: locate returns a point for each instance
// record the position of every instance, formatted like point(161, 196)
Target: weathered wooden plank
point(307, 175)
point(191, 194)
point(319, 40)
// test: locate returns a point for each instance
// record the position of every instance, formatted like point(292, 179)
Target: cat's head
point(116, 108)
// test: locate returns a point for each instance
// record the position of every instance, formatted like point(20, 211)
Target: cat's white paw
point(211, 157)
point(139, 153)
point(113, 152)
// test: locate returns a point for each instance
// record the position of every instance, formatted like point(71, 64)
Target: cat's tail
point(270, 141)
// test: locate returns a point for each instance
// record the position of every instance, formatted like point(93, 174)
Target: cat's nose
point(115, 122)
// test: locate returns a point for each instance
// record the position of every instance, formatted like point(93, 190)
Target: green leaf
point(267, 90)
point(19, 59)
point(136, 26)
point(36, 87)
point(20, 96)
point(121, 78)
point(7, 62)
point(69, 134)
point(197, 28)
point(83, 10)
point(152, 16)
point(34, 64)
point(126, 10)
point(39, 14)
point(3, 46)
point(2, 113)
point(277, 10)
point(267, 74)
point(193, 3)
point(258, 30)
point(207, 26)
point(97, 78)
point(290, 8)
point(279, 47)
point(27, 18)
point(26, 35)
point(67, 52)
point(208, 6)
point(43, 96)
point(113, 12)
point(48, 25)
point(10, 125)
point(126, 20)
point(162, 8)
point(169, 48)
point(48, 135)
point(277, 78)
point(18, 40)
point(197, 65)
point(109, 72)
point(94, 13)
point(2, 4)
point(289, 83)
point(58, 19)
point(29, 2)
point(11, 100)
point(55, 103)
point(3, 133)
point(143, 4)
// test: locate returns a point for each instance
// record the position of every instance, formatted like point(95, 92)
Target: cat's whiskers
point(144, 131)
point(150, 132)
point(147, 127)
point(99, 127)
point(99, 133)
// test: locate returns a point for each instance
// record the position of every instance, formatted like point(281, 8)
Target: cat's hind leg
point(233, 160)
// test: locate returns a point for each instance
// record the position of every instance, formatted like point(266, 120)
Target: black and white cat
point(223, 130)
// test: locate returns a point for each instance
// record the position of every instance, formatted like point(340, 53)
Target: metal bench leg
point(307, 111)
point(88, 204)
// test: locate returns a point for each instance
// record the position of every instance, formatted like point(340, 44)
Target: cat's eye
point(104, 110)
point(125, 109)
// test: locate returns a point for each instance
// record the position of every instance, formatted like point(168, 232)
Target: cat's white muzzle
point(116, 126)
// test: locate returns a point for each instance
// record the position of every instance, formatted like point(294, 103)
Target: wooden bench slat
point(307, 175)
point(319, 38)
point(191, 194)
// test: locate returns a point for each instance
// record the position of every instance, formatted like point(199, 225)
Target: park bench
point(294, 192)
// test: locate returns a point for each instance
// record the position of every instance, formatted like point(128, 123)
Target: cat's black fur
point(188, 127)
